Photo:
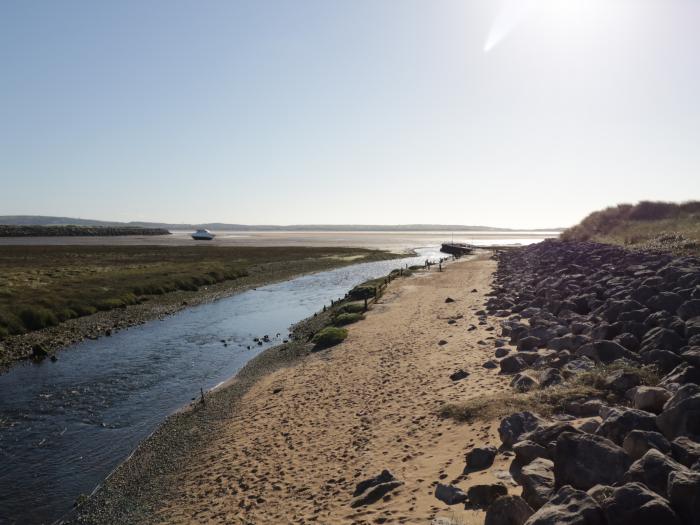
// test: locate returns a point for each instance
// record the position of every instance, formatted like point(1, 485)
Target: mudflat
point(302, 437)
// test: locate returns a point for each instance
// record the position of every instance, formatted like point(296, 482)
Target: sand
point(304, 436)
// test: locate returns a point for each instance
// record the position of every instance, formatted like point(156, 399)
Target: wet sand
point(302, 437)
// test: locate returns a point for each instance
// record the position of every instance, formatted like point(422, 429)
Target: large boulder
point(683, 374)
point(529, 344)
point(481, 496)
point(508, 510)
point(663, 338)
point(621, 422)
point(681, 414)
point(685, 451)
point(653, 469)
point(605, 351)
point(668, 301)
point(638, 442)
point(524, 382)
point(569, 507)
point(480, 458)
point(684, 495)
point(585, 460)
point(622, 380)
point(514, 426)
point(512, 364)
point(664, 360)
point(692, 356)
point(537, 479)
point(527, 451)
point(450, 494)
point(635, 504)
point(651, 399)
point(689, 309)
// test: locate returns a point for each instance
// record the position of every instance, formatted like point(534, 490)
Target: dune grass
point(42, 286)
point(329, 336)
point(662, 226)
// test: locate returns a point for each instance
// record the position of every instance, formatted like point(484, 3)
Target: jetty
point(457, 248)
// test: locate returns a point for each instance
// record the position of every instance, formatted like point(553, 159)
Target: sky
point(508, 113)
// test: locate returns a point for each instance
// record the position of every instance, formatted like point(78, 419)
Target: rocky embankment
point(10, 230)
point(632, 455)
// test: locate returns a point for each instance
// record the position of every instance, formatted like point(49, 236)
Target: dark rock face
point(480, 458)
point(684, 494)
point(508, 510)
point(652, 469)
point(514, 426)
point(569, 507)
point(585, 460)
point(621, 422)
point(481, 496)
point(681, 414)
point(537, 479)
point(450, 494)
point(373, 489)
point(685, 451)
point(513, 364)
point(635, 504)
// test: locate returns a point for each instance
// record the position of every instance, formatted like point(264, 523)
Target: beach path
point(303, 437)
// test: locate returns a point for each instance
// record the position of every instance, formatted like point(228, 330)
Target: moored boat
point(203, 235)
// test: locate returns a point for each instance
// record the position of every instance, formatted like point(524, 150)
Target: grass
point(661, 226)
point(42, 286)
point(546, 401)
point(329, 336)
point(348, 318)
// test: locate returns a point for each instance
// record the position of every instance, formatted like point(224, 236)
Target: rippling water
point(65, 425)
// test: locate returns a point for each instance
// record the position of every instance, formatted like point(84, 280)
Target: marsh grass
point(42, 286)
point(546, 401)
point(347, 318)
point(329, 336)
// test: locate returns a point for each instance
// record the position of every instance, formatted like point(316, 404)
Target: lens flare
point(512, 12)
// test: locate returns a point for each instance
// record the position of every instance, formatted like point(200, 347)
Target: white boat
point(203, 235)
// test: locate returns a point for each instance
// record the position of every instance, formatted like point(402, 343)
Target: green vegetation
point(352, 308)
point(661, 226)
point(368, 289)
point(329, 336)
point(546, 401)
point(69, 230)
point(348, 318)
point(41, 286)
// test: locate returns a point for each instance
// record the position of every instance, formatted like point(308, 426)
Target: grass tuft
point(329, 336)
point(347, 318)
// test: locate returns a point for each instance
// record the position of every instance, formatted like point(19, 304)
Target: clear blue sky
point(520, 113)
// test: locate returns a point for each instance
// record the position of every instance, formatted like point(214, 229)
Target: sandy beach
point(303, 436)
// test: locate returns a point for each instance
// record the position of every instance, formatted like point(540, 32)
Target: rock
point(501, 352)
point(459, 374)
point(373, 489)
point(515, 425)
point(604, 351)
point(449, 300)
point(569, 507)
point(628, 340)
point(39, 351)
point(546, 434)
point(621, 422)
point(490, 364)
point(689, 309)
point(590, 426)
point(664, 360)
point(537, 479)
point(585, 460)
point(653, 469)
point(681, 414)
point(529, 344)
point(450, 494)
point(512, 364)
point(568, 342)
point(651, 399)
point(600, 493)
point(577, 366)
point(681, 375)
point(661, 338)
point(527, 451)
point(635, 504)
point(587, 408)
point(508, 510)
point(550, 377)
point(668, 301)
point(481, 496)
point(685, 451)
point(622, 380)
point(442, 342)
point(684, 495)
point(638, 442)
point(524, 382)
point(480, 458)
point(692, 356)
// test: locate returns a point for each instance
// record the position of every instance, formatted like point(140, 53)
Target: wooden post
point(365, 304)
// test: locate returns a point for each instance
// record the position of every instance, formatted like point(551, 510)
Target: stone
point(664, 360)
point(508, 510)
point(689, 309)
point(501, 352)
point(450, 494)
point(550, 377)
point(681, 414)
point(635, 504)
point(537, 479)
point(622, 380)
point(585, 460)
point(373, 489)
point(661, 338)
point(529, 344)
point(685, 451)
point(621, 422)
point(652, 469)
point(546, 434)
point(480, 458)
point(684, 495)
point(638, 442)
point(668, 301)
point(515, 425)
point(692, 356)
point(603, 351)
point(459, 374)
point(490, 364)
point(651, 399)
point(512, 364)
point(569, 507)
point(481, 496)
point(683, 374)
point(449, 300)
point(523, 382)
point(527, 451)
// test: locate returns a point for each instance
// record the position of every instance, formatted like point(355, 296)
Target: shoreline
point(18, 348)
point(137, 488)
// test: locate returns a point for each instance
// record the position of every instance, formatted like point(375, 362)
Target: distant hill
point(39, 220)
point(665, 226)
point(72, 230)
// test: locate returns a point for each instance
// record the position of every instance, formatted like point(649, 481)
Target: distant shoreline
point(13, 230)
